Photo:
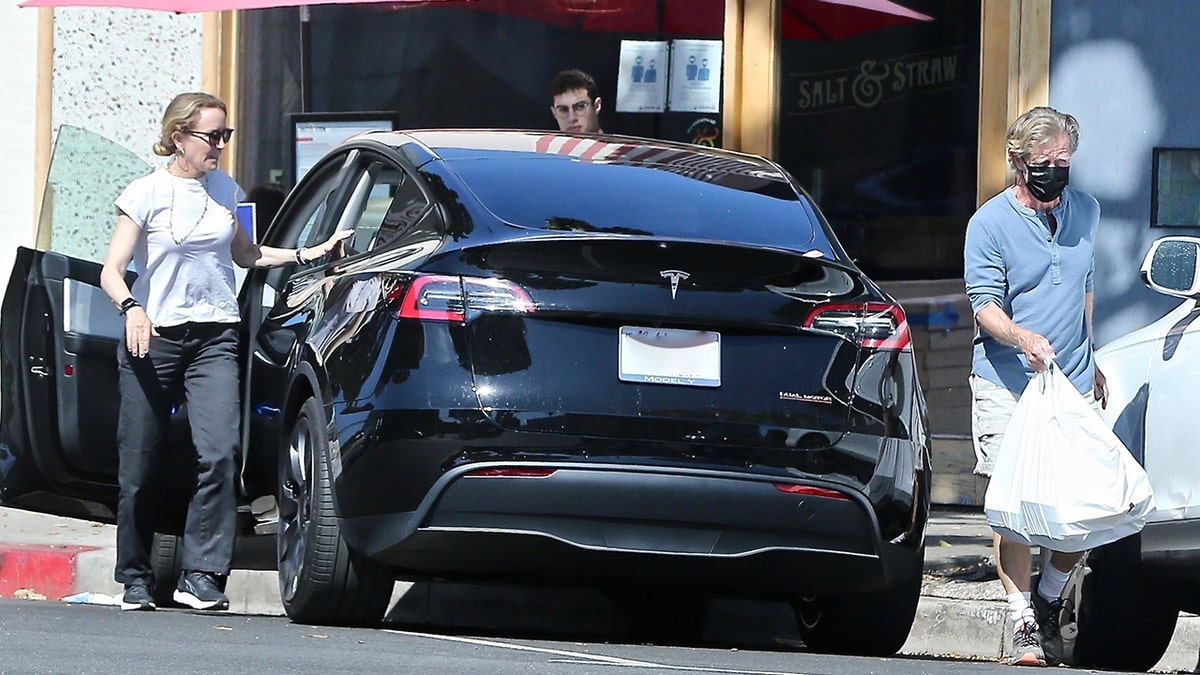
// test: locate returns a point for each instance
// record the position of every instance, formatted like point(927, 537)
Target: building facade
point(894, 125)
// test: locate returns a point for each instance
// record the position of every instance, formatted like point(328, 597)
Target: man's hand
point(1100, 389)
point(1038, 351)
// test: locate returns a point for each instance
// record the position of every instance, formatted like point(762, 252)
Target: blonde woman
point(178, 227)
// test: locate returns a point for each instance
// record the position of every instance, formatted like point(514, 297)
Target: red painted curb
point(43, 569)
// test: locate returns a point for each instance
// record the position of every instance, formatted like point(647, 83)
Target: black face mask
point(1046, 183)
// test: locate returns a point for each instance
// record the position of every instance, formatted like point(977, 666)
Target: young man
point(576, 105)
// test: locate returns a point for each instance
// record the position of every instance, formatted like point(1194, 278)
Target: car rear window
point(662, 200)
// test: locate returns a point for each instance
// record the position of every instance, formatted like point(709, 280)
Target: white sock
point(1052, 583)
point(1018, 607)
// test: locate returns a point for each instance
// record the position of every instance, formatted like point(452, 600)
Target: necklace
point(171, 212)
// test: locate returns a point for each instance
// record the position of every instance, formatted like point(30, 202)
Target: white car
point(1133, 590)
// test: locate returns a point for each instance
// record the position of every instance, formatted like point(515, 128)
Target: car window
point(303, 223)
point(385, 202)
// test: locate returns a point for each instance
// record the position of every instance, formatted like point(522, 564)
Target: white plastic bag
point(1063, 479)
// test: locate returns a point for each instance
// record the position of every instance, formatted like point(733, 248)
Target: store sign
point(873, 82)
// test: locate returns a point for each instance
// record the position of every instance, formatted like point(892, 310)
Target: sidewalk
point(962, 610)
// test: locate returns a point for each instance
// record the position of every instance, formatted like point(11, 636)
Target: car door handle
point(40, 371)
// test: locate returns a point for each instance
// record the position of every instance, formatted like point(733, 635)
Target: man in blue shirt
point(1029, 262)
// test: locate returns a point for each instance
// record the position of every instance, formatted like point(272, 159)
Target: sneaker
point(1048, 617)
point(200, 590)
point(1027, 646)
point(137, 597)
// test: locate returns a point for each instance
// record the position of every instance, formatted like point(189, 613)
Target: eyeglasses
point(213, 137)
point(579, 107)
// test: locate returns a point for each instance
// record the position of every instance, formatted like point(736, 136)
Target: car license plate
point(670, 356)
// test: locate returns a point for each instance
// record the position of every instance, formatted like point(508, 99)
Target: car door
point(58, 340)
point(395, 223)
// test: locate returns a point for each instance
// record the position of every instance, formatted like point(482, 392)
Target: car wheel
point(1123, 623)
point(869, 624)
point(166, 559)
point(321, 581)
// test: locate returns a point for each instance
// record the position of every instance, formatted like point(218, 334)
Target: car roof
point(459, 144)
point(622, 185)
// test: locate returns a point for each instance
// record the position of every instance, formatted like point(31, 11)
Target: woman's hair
point(181, 113)
point(1036, 128)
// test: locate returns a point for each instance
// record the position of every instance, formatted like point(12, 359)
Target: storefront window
point(482, 64)
point(880, 124)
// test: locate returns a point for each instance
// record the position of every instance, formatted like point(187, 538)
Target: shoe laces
point(1049, 623)
point(1026, 636)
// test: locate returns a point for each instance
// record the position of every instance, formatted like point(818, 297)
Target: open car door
point(58, 340)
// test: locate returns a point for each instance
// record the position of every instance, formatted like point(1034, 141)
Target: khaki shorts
point(991, 408)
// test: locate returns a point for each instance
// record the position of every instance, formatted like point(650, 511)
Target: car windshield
point(651, 199)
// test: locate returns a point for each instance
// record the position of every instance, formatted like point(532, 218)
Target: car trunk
point(666, 340)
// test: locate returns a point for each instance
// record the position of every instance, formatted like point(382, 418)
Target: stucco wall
point(1128, 76)
point(113, 72)
point(18, 73)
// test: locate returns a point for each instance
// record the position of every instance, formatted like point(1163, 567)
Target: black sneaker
point(200, 590)
point(137, 597)
point(1048, 616)
point(1027, 646)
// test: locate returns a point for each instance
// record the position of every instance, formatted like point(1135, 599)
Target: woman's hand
point(138, 331)
point(335, 241)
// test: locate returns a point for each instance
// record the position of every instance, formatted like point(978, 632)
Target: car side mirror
point(1170, 266)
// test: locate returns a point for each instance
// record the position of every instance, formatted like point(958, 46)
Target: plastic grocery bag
point(1063, 479)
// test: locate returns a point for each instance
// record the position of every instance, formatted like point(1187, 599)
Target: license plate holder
point(689, 358)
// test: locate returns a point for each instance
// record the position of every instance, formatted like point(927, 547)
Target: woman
point(178, 227)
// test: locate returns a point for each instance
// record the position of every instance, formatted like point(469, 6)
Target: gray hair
point(1036, 128)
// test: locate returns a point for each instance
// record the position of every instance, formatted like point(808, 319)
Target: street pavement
point(961, 614)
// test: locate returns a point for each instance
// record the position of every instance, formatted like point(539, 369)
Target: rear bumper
point(614, 524)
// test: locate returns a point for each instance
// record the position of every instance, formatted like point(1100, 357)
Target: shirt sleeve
point(1088, 285)
point(135, 201)
point(983, 267)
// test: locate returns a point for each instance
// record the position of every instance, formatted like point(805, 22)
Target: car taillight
point(877, 325)
point(444, 298)
point(810, 491)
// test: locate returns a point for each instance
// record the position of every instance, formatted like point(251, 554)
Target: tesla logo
point(675, 276)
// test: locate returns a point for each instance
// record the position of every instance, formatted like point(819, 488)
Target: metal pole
point(305, 59)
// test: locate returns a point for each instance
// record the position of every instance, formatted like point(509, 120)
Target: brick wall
point(942, 326)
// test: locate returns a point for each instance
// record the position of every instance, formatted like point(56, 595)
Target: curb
point(39, 571)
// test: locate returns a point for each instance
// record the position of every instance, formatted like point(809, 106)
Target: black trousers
point(196, 362)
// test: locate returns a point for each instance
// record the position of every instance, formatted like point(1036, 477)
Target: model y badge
point(675, 276)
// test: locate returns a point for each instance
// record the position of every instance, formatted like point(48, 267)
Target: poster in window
point(695, 76)
point(1175, 201)
point(642, 76)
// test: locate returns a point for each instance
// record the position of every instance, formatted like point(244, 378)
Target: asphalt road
point(49, 637)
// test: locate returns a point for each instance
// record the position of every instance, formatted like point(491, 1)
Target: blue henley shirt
point(1039, 279)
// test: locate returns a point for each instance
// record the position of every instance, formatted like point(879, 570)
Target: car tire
point(866, 624)
point(166, 559)
point(321, 581)
point(1123, 622)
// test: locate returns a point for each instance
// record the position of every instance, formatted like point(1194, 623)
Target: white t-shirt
point(183, 259)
